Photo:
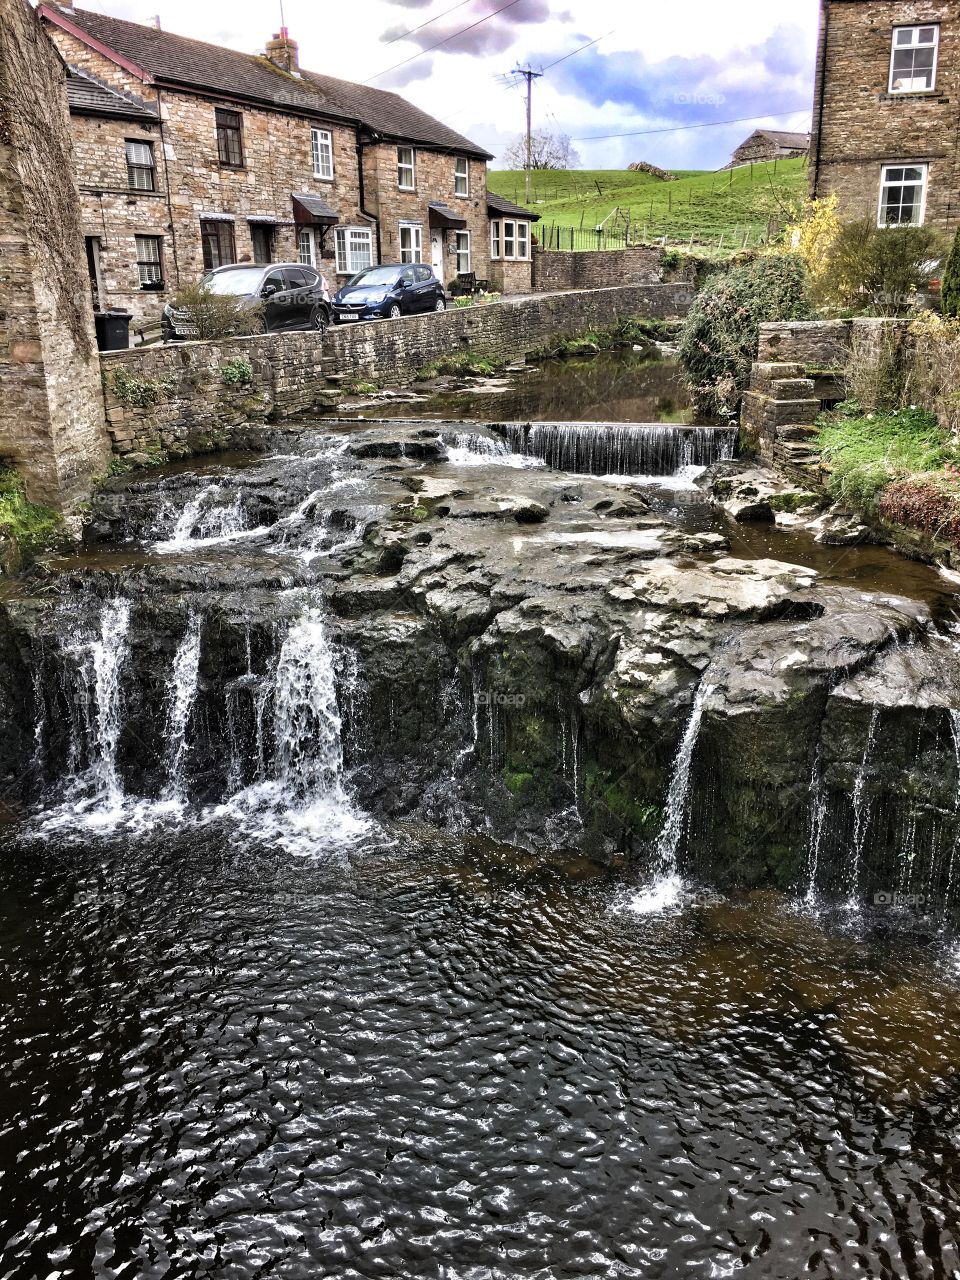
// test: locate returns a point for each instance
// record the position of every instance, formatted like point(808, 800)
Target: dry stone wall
point(175, 398)
point(598, 269)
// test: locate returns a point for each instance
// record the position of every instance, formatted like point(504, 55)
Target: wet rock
point(841, 529)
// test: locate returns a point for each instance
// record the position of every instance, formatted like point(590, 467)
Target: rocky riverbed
point(515, 649)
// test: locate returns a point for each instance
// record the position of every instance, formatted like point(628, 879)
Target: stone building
point(885, 110)
point(770, 144)
point(191, 156)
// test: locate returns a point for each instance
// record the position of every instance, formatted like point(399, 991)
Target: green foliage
point(721, 334)
point(237, 372)
point(950, 287)
point(464, 362)
point(628, 332)
point(135, 391)
point(480, 299)
point(31, 525)
point(879, 271)
point(704, 205)
point(867, 451)
point(217, 315)
point(359, 387)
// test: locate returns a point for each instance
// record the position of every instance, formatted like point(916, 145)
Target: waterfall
point(621, 449)
point(204, 519)
point(818, 817)
point(302, 799)
point(183, 693)
point(667, 884)
point(93, 671)
point(470, 449)
point(861, 812)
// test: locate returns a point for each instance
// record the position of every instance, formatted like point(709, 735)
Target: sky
point(656, 69)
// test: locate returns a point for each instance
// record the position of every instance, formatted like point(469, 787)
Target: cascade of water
point(204, 519)
point(818, 818)
point(667, 884)
point(95, 787)
point(299, 725)
point(861, 812)
point(621, 449)
point(183, 693)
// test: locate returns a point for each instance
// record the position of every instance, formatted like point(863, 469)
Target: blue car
point(387, 293)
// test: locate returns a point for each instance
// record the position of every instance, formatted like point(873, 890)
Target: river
point(305, 976)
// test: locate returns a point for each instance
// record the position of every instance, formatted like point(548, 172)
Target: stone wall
point(174, 397)
point(511, 277)
point(595, 269)
point(865, 126)
point(51, 408)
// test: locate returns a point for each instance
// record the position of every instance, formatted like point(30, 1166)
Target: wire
point(589, 45)
point(446, 40)
point(683, 128)
point(407, 34)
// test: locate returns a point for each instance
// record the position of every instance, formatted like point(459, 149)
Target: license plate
point(186, 331)
point(349, 317)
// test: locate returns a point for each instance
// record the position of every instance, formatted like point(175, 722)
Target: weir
point(612, 448)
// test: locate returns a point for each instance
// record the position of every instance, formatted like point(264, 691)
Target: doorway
point(436, 241)
point(92, 246)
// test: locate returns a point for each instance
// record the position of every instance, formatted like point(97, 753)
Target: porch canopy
point(442, 215)
point(310, 211)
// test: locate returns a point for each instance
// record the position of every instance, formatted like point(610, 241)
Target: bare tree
point(548, 151)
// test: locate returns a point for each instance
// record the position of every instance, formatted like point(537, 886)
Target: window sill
point(410, 191)
point(232, 168)
point(912, 95)
point(461, 195)
point(319, 177)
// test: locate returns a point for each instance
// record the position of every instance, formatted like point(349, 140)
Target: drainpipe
point(362, 188)
point(823, 95)
point(166, 183)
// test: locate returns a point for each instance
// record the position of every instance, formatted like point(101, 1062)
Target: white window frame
point(885, 186)
point(140, 160)
point(404, 166)
point(510, 235)
point(461, 173)
point(305, 247)
point(414, 231)
point(462, 271)
point(915, 28)
point(523, 239)
point(495, 239)
point(149, 251)
point(347, 241)
point(321, 149)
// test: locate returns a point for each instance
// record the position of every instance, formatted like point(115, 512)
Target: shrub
point(812, 239)
point(217, 315)
point(932, 508)
point(720, 337)
point(880, 271)
point(950, 287)
point(933, 375)
point(237, 372)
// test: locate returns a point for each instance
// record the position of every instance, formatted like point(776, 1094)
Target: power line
point(429, 22)
point(683, 128)
point(446, 40)
point(588, 45)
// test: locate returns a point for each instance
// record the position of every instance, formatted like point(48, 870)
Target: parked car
point(292, 297)
point(389, 293)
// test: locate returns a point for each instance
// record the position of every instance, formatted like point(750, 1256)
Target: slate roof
point(175, 61)
point(497, 204)
point(792, 141)
point(88, 96)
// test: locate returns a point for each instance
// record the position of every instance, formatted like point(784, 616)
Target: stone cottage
point(770, 144)
point(885, 110)
point(190, 156)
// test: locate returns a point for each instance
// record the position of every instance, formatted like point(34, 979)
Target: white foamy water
point(183, 693)
point(472, 450)
point(206, 521)
point(302, 803)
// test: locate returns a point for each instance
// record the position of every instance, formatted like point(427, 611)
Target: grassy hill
point(735, 203)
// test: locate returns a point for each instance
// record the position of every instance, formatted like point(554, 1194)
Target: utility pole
point(529, 75)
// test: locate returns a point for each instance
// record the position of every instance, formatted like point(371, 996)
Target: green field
point(736, 204)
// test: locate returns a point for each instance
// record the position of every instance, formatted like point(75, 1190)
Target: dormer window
point(913, 62)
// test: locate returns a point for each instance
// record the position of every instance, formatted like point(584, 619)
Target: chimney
point(282, 52)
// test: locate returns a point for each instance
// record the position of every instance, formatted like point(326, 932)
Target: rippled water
point(447, 1061)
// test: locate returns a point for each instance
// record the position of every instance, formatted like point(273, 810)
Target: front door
point(437, 241)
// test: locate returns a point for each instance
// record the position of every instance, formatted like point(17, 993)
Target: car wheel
point(394, 313)
point(319, 319)
point(440, 305)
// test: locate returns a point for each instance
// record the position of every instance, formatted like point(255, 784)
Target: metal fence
point(554, 237)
